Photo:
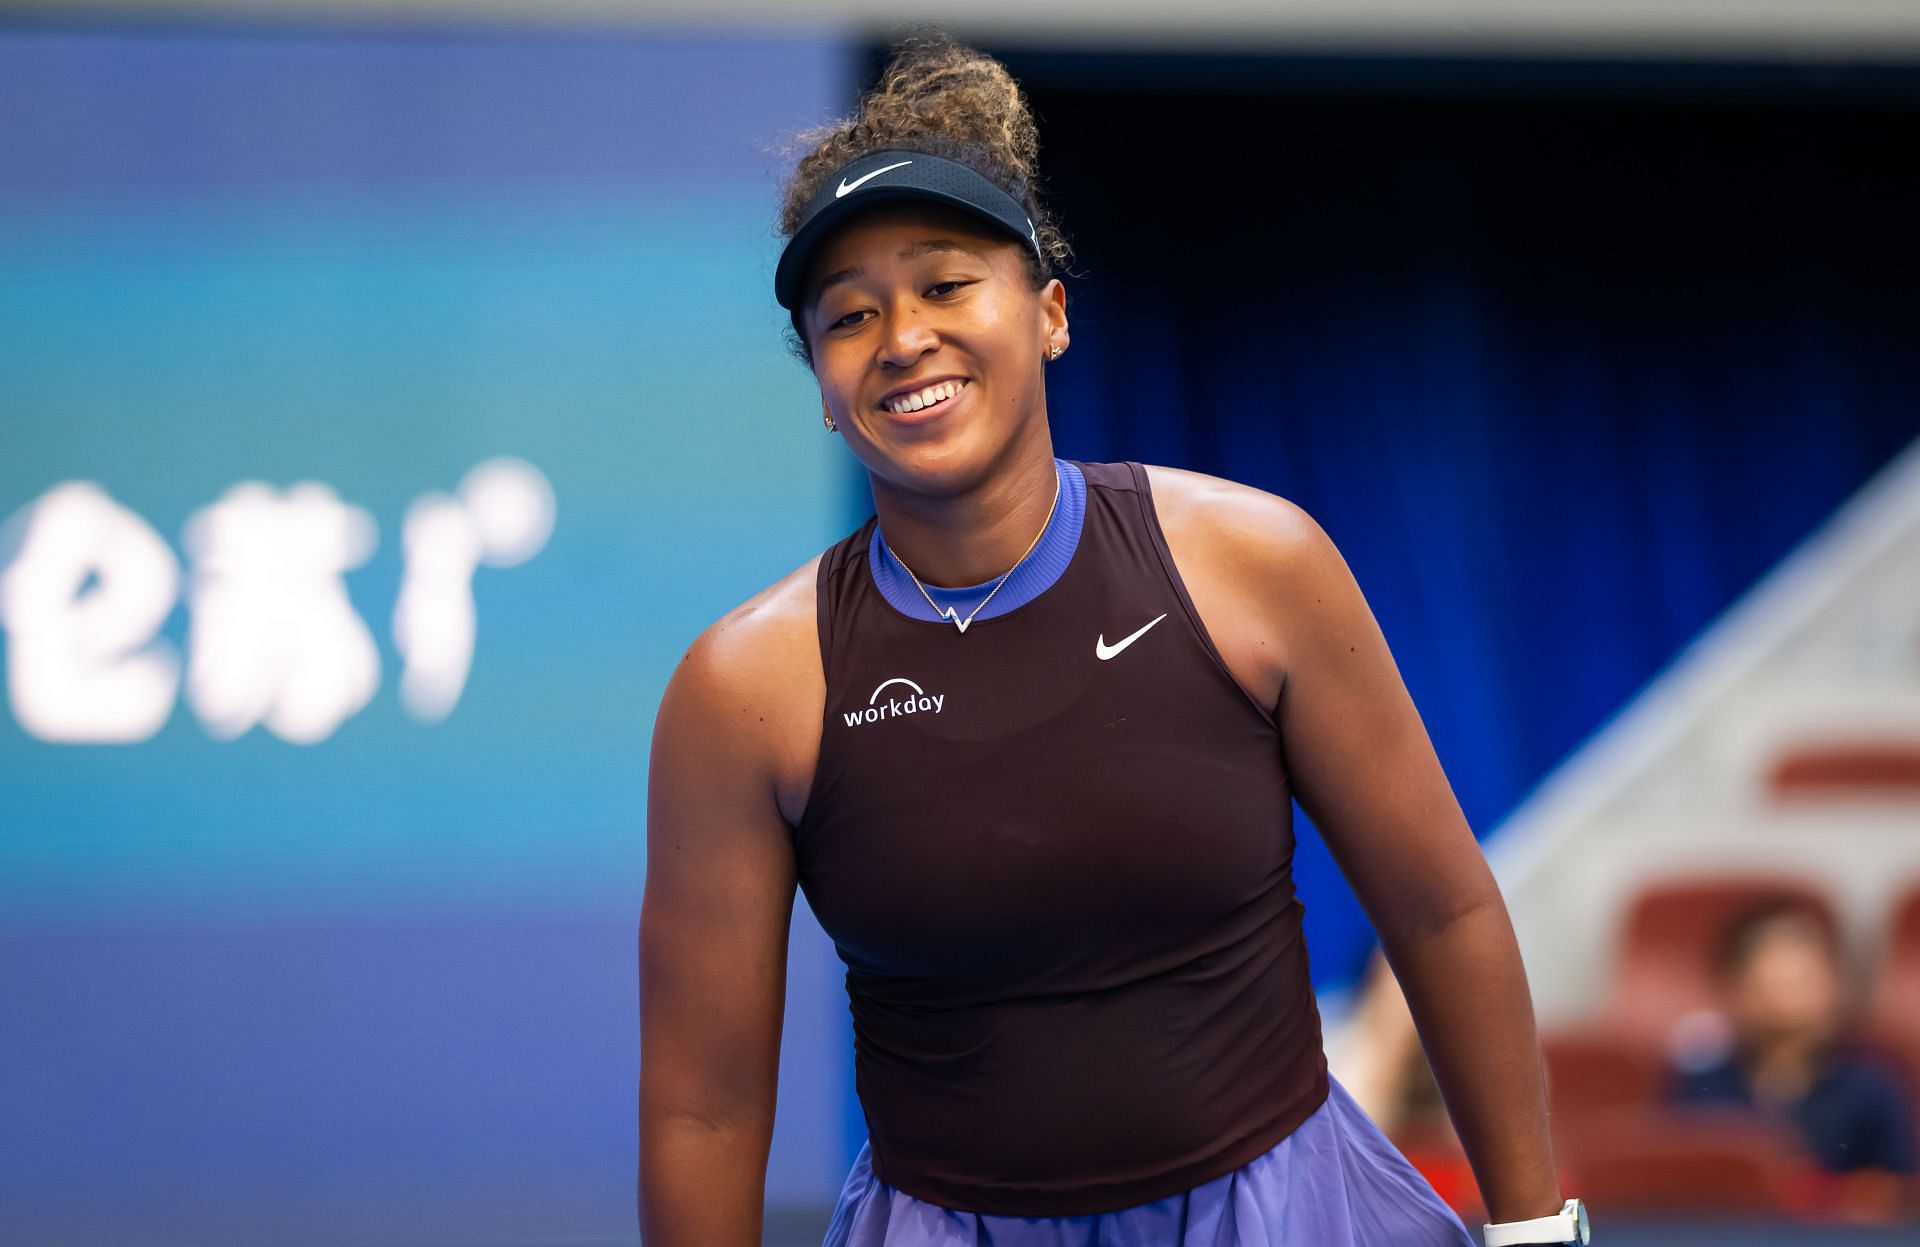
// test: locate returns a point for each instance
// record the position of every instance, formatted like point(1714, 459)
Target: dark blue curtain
point(1563, 358)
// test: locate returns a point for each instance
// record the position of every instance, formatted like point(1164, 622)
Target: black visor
point(893, 174)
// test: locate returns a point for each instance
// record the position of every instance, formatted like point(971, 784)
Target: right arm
point(713, 923)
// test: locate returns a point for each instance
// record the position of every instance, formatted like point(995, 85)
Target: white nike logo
point(1103, 651)
point(847, 187)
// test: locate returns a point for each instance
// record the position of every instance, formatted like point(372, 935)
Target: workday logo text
point(909, 699)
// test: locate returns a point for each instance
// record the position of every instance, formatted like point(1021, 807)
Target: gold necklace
point(951, 612)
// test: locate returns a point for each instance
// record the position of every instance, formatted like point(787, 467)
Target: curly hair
point(941, 97)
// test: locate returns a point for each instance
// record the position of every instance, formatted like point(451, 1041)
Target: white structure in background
point(1825, 649)
point(502, 516)
point(273, 638)
point(83, 664)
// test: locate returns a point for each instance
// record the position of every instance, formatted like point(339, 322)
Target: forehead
point(1788, 934)
point(875, 237)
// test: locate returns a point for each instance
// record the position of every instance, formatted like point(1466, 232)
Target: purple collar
point(1033, 577)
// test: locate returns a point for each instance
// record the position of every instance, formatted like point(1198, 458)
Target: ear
point(1053, 311)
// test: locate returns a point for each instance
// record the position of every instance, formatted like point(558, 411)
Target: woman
point(1020, 739)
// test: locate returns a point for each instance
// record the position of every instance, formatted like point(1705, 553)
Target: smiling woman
point(1058, 869)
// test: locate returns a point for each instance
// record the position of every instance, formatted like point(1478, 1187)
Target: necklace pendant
point(953, 612)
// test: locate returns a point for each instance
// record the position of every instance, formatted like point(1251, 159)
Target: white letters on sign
point(502, 516)
point(82, 599)
point(272, 638)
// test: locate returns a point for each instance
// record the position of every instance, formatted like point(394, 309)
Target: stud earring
point(1053, 353)
point(827, 420)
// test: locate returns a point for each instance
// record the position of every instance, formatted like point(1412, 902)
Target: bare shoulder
point(1258, 568)
point(1248, 530)
point(749, 691)
point(762, 638)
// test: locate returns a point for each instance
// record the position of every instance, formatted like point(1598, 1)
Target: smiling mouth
point(920, 400)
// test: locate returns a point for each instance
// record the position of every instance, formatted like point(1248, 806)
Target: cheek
point(1004, 334)
point(1009, 316)
point(838, 384)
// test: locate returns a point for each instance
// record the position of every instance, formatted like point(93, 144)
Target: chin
point(938, 467)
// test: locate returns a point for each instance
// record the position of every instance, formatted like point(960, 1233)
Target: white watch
point(1569, 1225)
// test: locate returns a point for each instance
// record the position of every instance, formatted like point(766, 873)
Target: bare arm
point(1365, 771)
point(1298, 635)
point(713, 944)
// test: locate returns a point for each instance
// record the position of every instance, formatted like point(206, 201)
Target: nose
point(905, 338)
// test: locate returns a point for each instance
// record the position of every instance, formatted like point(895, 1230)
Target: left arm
point(1365, 771)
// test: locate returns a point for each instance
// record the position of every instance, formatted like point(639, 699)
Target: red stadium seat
point(1896, 992)
point(1893, 1015)
point(1592, 1074)
point(1664, 960)
point(1847, 769)
point(1650, 1161)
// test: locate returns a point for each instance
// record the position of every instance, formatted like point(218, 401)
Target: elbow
point(1418, 921)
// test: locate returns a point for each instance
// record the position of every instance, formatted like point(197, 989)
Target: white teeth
point(924, 398)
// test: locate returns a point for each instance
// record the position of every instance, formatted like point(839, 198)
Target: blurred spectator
point(1784, 1050)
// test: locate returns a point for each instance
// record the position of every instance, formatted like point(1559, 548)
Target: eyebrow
point(911, 252)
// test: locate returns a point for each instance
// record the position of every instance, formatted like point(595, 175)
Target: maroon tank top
point(1061, 884)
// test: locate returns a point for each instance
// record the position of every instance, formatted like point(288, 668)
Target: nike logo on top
point(847, 187)
point(1103, 651)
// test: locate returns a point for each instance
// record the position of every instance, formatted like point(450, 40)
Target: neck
point(966, 538)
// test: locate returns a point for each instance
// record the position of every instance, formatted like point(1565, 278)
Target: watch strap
point(1560, 1227)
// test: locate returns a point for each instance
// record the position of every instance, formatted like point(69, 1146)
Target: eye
point(847, 321)
point(939, 286)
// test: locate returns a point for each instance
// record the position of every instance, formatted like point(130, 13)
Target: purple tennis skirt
point(1334, 1182)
